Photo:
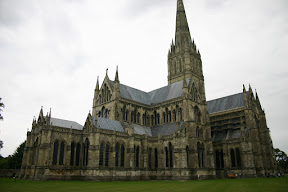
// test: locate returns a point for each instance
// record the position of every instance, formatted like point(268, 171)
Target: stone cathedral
point(171, 133)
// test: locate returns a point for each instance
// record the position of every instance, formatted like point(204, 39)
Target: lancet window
point(156, 157)
point(122, 160)
point(85, 152)
point(107, 148)
point(78, 148)
point(200, 150)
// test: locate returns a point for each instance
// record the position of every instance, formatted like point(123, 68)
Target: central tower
point(184, 59)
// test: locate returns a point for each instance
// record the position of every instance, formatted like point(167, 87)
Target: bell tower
point(184, 59)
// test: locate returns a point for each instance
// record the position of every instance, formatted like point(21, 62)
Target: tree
point(13, 161)
point(1, 105)
point(16, 159)
point(281, 159)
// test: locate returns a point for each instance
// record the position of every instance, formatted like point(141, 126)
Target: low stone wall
point(9, 172)
point(115, 175)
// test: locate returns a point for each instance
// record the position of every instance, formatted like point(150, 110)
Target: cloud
point(137, 8)
point(14, 12)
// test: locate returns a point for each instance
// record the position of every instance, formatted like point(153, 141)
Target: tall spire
point(182, 28)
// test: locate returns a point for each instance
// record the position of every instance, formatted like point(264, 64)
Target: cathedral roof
point(155, 131)
point(108, 124)
point(162, 94)
point(166, 129)
point(226, 103)
point(65, 124)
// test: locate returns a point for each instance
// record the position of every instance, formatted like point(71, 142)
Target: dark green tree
point(16, 159)
point(13, 161)
point(281, 159)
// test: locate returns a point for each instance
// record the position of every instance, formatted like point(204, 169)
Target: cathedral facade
point(169, 133)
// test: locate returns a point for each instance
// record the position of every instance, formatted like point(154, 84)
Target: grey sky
point(52, 51)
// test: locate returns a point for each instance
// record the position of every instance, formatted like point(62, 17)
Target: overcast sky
point(51, 52)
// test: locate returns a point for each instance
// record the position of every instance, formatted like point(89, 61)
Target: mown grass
point(222, 185)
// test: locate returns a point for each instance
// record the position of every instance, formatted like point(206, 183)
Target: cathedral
point(171, 133)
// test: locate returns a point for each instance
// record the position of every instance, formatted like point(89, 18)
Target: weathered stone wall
point(9, 172)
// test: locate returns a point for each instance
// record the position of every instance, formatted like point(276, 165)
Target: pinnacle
point(117, 76)
point(97, 84)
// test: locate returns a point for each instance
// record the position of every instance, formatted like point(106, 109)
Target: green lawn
point(223, 185)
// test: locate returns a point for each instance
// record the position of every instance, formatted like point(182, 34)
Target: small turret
point(244, 89)
point(116, 76)
point(50, 113)
point(96, 94)
point(97, 84)
point(116, 85)
point(34, 123)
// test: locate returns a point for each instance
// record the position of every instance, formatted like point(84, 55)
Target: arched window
point(117, 155)
point(156, 157)
point(78, 147)
point(164, 118)
point(61, 156)
point(138, 118)
point(166, 157)
point(126, 116)
point(107, 155)
point(222, 159)
point(150, 157)
point(238, 157)
point(122, 155)
point(171, 154)
point(169, 116)
point(187, 155)
point(137, 156)
point(181, 115)
point(148, 120)
point(200, 149)
point(101, 151)
point(143, 120)
point(55, 153)
point(153, 121)
point(132, 116)
point(217, 159)
point(232, 154)
point(72, 154)
point(175, 115)
point(85, 152)
point(158, 119)
point(124, 113)
point(103, 112)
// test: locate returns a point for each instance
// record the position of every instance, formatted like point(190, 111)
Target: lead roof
point(65, 124)
point(160, 95)
point(226, 103)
